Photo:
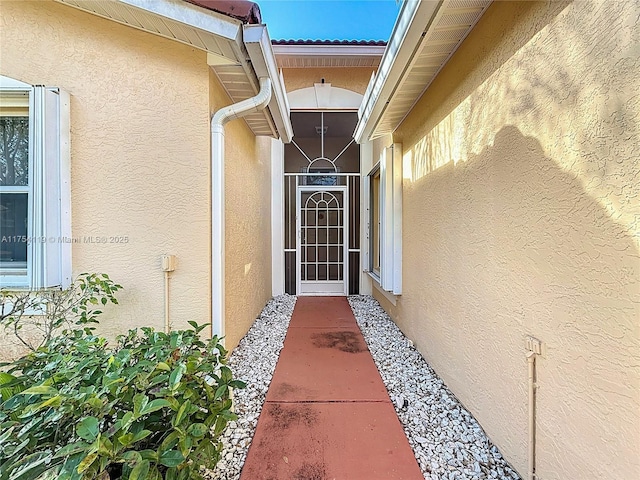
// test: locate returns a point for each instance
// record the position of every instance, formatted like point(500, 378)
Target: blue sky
point(329, 19)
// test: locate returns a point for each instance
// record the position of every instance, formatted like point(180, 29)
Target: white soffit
point(426, 35)
point(173, 19)
point(318, 56)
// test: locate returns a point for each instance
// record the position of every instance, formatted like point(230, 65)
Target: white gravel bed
point(253, 361)
point(448, 442)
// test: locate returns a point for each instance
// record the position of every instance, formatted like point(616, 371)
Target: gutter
point(413, 21)
point(406, 69)
point(263, 61)
point(218, 121)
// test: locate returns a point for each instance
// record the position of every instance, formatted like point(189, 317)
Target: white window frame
point(49, 208)
point(371, 224)
point(390, 208)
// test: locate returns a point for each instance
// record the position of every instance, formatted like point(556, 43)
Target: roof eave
point(192, 15)
point(425, 37)
point(324, 55)
point(221, 36)
point(406, 36)
point(329, 50)
point(203, 29)
point(258, 45)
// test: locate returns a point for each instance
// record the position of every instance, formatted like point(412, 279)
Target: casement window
point(35, 210)
point(385, 220)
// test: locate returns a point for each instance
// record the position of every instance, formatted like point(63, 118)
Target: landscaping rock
point(253, 361)
point(447, 441)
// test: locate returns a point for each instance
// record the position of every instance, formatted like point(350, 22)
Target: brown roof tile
point(369, 43)
point(247, 12)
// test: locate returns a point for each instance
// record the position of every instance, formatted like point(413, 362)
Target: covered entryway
point(322, 205)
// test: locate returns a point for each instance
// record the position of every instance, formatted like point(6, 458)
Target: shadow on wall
point(517, 246)
point(490, 49)
point(546, 69)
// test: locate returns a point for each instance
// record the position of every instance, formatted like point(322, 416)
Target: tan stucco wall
point(248, 221)
point(355, 79)
point(140, 139)
point(139, 151)
point(521, 207)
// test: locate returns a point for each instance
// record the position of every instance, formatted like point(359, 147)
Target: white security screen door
point(322, 247)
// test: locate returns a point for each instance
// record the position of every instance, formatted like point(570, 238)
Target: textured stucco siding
point(248, 221)
point(139, 152)
point(520, 217)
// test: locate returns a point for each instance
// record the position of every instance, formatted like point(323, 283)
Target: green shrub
point(151, 407)
point(76, 306)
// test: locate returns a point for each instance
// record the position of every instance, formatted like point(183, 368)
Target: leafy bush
point(77, 305)
point(153, 407)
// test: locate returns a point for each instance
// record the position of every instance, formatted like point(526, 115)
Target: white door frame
point(345, 240)
point(277, 218)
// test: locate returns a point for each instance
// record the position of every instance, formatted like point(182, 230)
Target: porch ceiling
point(426, 35)
point(219, 35)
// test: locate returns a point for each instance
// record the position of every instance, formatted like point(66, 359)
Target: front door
point(322, 236)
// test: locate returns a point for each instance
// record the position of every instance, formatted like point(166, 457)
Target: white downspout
point(531, 453)
point(218, 120)
point(167, 321)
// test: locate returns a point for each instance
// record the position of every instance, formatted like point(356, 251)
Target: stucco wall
point(521, 207)
point(355, 79)
point(140, 109)
point(248, 221)
point(139, 151)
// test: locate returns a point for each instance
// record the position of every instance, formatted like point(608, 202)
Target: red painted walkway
point(327, 415)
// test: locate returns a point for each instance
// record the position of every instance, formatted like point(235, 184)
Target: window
point(385, 220)
point(321, 180)
point(34, 186)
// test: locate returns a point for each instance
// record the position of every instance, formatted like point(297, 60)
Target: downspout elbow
point(240, 109)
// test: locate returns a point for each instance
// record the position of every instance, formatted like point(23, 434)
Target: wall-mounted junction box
point(534, 345)
point(168, 263)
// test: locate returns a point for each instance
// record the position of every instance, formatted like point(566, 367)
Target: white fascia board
point(413, 22)
point(258, 45)
point(192, 15)
point(329, 50)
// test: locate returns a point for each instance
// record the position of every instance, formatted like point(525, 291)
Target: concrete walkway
point(327, 414)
